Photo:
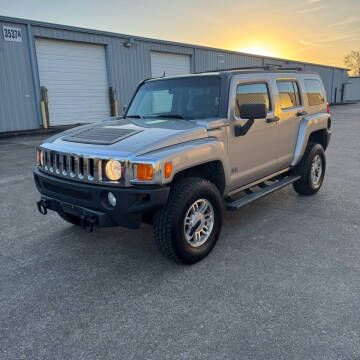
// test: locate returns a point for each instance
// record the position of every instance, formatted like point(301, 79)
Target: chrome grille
point(74, 166)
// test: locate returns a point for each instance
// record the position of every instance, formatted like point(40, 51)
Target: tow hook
point(41, 205)
point(87, 223)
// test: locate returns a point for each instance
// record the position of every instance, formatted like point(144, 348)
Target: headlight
point(113, 170)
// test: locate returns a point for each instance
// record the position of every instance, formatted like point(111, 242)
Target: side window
point(289, 94)
point(255, 93)
point(314, 92)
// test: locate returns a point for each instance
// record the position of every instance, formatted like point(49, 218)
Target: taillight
point(328, 108)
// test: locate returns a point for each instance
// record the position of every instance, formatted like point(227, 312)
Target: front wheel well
point(212, 171)
point(319, 137)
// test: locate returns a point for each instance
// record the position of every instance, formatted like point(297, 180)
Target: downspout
point(34, 73)
point(112, 91)
point(332, 86)
point(194, 60)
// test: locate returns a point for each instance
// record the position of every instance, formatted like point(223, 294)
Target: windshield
point(183, 98)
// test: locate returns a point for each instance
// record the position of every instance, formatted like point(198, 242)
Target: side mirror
point(124, 108)
point(252, 111)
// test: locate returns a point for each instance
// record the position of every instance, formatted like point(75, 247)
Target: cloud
point(306, 43)
point(340, 37)
point(311, 9)
point(313, 1)
point(350, 20)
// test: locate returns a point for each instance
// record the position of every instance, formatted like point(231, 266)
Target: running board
point(260, 193)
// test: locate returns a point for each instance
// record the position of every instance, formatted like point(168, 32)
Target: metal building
point(86, 75)
point(352, 90)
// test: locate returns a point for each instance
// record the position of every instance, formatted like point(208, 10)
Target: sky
point(319, 31)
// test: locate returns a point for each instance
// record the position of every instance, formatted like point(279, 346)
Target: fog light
point(112, 199)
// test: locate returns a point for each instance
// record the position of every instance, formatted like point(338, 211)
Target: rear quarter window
point(314, 92)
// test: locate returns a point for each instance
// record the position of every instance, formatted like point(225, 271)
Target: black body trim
point(90, 201)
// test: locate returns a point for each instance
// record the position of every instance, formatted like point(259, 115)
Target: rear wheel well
point(319, 137)
point(212, 171)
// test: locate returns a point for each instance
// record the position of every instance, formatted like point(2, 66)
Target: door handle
point(301, 113)
point(271, 120)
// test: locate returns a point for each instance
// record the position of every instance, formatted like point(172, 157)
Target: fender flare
point(308, 125)
point(188, 155)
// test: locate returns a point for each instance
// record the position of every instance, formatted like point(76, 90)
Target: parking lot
point(283, 281)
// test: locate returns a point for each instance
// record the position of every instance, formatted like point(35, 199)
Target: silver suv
point(187, 147)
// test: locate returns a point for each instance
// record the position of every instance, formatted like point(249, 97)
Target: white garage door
point(75, 76)
point(169, 64)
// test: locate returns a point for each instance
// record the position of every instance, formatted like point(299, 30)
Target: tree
point(352, 61)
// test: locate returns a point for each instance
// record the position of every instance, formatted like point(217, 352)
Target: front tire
point(187, 227)
point(311, 169)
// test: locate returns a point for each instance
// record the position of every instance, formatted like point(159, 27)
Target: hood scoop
point(101, 135)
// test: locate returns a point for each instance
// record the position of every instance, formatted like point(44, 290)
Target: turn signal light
point(168, 169)
point(144, 172)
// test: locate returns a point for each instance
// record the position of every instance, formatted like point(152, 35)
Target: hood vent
point(101, 135)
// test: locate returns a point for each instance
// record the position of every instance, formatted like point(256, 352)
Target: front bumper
point(88, 201)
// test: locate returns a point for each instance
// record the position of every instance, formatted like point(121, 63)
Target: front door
point(254, 154)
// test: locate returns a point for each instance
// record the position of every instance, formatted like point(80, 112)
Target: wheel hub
point(316, 169)
point(199, 222)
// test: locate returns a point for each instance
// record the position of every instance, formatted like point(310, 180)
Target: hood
point(128, 136)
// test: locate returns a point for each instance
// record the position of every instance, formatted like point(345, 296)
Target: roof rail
point(268, 67)
point(299, 68)
point(254, 67)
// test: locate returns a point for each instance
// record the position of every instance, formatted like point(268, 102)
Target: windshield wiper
point(135, 116)
point(171, 116)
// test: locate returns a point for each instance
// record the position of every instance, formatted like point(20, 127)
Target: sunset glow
point(259, 50)
point(318, 31)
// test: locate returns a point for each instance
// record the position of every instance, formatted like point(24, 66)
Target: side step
point(260, 193)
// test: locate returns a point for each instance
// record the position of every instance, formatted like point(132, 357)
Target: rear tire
point(311, 169)
point(187, 227)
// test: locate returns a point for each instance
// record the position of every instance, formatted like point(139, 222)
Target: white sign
point(12, 34)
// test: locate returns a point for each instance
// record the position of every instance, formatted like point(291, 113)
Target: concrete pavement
point(282, 282)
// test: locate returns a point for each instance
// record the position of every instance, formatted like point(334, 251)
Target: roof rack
point(299, 68)
point(269, 67)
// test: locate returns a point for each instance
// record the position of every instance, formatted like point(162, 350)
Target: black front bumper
point(89, 202)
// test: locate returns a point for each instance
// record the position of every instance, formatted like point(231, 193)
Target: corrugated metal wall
point(352, 90)
point(216, 60)
point(126, 67)
point(17, 96)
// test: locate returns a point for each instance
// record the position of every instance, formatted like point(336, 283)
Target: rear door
point(290, 111)
point(255, 154)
